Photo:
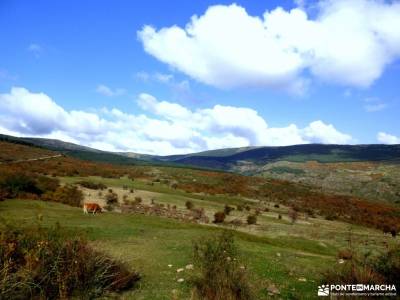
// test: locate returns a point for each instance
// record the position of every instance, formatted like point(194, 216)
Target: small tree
point(251, 219)
point(111, 198)
point(189, 205)
point(219, 217)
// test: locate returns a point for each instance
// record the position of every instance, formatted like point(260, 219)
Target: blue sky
point(90, 72)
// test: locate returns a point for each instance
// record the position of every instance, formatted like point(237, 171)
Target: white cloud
point(109, 92)
point(374, 104)
point(156, 76)
point(163, 128)
point(319, 132)
point(348, 42)
point(386, 138)
point(375, 107)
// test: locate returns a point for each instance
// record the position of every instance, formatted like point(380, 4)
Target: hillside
point(151, 228)
point(366, 171)
point(258, 156)
point(72, 150)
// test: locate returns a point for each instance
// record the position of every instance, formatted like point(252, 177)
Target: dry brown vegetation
point(300, 197)
point(51, 263)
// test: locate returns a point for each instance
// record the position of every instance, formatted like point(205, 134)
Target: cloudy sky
point(167, 77)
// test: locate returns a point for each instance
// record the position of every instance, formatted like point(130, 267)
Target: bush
point(220, 276)
point(189, 205)
point(390, 229)
point(251, 219)
point(239, 207)
point(219, 217)
point(276, 206)
point(138, 199)
point(13, 184)
point(111, 198)
point(228, 209)
point(67, 194)
point(388, 265)
point(331, 217)
point(383, 269)
point(47, 184)
point(39, 263)
point(345, 254)
point(92, 185)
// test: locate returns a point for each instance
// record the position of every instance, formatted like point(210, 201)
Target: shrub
point(390, 229)
point(228, 209)
point(276, 206)
point(381, 269)
point(198, 213)
point(12, 184)
point(239, 207)
point(331, 217)
point(39, 263)
point(92, 185)
point(111, 198)
point(219, 217)
point(189, 205)
point(345, 254)
point(388, 265)
point(280, 217)
point(67, 194)
point(352, 271)
point(47, 184)
point(251, 219)
point(138, 199)
point(220, 274)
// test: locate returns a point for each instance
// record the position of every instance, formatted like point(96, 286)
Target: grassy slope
point(370, 180)
point(151, 243)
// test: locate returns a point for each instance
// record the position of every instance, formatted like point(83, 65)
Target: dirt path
point(32, 159)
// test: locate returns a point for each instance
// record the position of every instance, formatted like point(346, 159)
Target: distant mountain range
point(226, 159)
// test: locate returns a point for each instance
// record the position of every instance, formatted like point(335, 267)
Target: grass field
point(291, 257)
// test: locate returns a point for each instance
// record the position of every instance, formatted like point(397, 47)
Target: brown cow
point(91, 207)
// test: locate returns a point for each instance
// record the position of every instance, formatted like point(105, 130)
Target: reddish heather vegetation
point(300, 197)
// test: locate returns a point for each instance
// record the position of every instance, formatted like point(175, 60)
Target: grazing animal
point(91, 208)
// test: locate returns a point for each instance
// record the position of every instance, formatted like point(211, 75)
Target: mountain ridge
point(228, 158)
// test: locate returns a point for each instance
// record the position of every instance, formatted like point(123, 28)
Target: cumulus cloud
point(109, 92)
point(386, 138)
point(347, 42)
point(163, 128)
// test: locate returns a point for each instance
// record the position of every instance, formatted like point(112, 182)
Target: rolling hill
point(247, 160)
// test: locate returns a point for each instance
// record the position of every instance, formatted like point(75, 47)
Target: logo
point(371, 290)
point(323, 290)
